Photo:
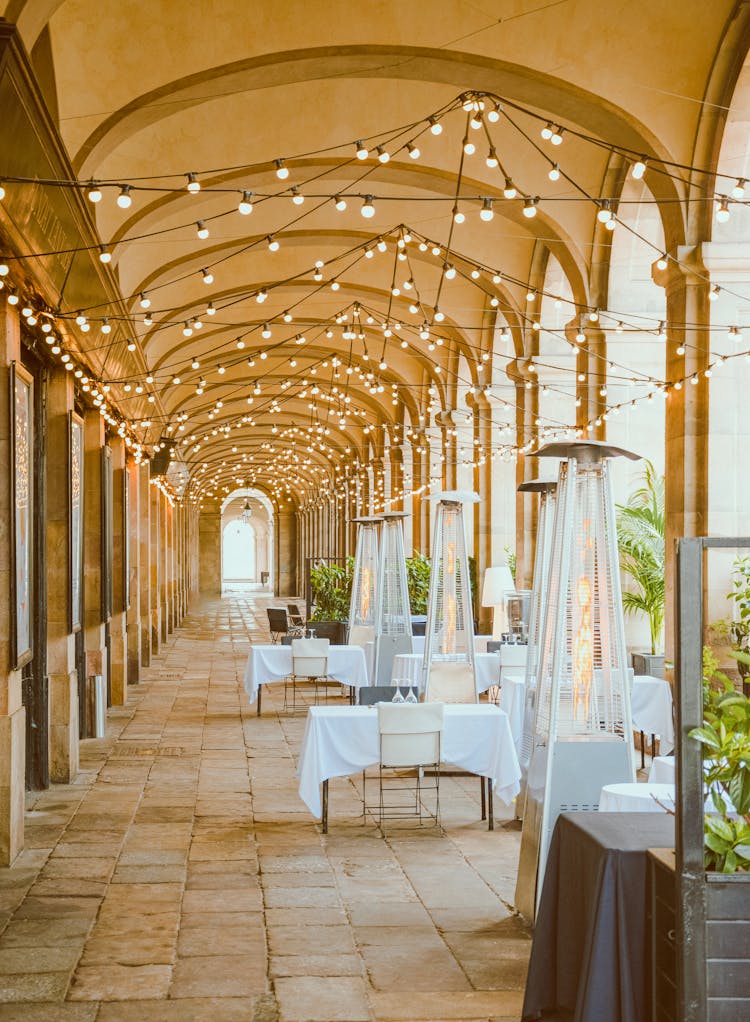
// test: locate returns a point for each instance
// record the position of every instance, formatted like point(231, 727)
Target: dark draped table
point(589, 957)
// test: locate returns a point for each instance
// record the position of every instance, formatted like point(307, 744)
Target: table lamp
point(498, 581)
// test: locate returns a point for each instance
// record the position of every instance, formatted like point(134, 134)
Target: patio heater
point(582, 736)
point(364, 582)
point(448, 669)
point(544, 531)
point(392, 613)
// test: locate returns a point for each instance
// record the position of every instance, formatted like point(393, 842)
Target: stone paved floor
point(181, 878)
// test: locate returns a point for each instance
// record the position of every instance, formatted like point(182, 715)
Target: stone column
point(12, 712)
point(210, 552)
point(164, 622)
point(286, 553)
point(156, 567)
point(61, 666)
point(134, 573)
point(483, 512)
point(686, 416)
point(118, 633)
point(93, 442)
point(144, 560)
point(591, 363)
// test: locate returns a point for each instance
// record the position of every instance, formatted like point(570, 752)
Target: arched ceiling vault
point(230, 94)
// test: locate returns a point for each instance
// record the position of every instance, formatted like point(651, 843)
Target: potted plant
point(331, 586)
point(737, 631)
point(418, 584)
point(640, 540)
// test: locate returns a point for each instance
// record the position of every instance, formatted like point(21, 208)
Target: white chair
point(451, 682)
point(410, 735)
point(309, 663)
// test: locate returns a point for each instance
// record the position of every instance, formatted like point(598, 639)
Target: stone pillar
point(483, 511)
point(93, 442)
point(286, 553)
point(61, 666)
point(591, 363)
point(118, 634)
point(156, 567)
point(164, 622)
point(686, 416)
point(12, 712)
point(134, 573)
point(210, 552)
point(144, 560)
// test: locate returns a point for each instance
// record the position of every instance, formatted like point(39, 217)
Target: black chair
point(278, 623)
point(295, 615)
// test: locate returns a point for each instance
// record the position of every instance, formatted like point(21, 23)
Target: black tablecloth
point(589, 955)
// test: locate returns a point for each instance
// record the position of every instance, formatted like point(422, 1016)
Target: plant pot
point(648, 663)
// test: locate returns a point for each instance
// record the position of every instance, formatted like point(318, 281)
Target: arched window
point(238, 552)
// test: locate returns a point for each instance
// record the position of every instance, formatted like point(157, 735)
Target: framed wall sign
point(75, 520)
point(21, 490)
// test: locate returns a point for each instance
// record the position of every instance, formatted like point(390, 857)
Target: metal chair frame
point(401, 811)
point(315, 658)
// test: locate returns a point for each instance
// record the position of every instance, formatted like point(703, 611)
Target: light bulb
point(175, 380)
point(722, 212)
point(297, 198)
point(529, 207)
point(547, 131)
point(554, 173)
point(148, 319)
point(738, 192)
point(273, 245)
point(458, 216)
point(530, 295)
point(220, 370)
point(494, 113)
point(208, 277)
point(714, 293)
point(661, 262)
point(282, 172)
point(94, 193)
point(195, 364)
point(435, 126)
point(611, 224)
point(12, 298)
point(145, 301)
point(266, 331)
point(246, 206)
point(104, 255)
point(487, 212)
point(210, 310)
point(604, 213)
point(362, 151)
point(639, 168)
point(187, 330)
point(340, 203)
point(449, 270)
point(201, 229)
point(4, 270)
point(106, 326)
point(491, 159)
point(413, 151)
point(193, 185)
point(368, 209)
point(383, 155)
point(261, 296)
point(124, 200)
point(509, 191)
point(439, 316)
point(557, 136)
point(469, 147)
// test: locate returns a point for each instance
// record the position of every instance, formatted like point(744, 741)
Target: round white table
point(662, 770)
point(636, 798)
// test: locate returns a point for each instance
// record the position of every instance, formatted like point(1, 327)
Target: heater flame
point(583, 651)
point(364, 606)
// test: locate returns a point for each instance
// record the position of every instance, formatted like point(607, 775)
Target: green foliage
point(739, 630)
point(418, 581)
point(725, 736)
point(640, 540)
point(510, 557)
point(332, 590)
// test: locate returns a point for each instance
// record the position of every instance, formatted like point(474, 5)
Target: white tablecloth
point(409, 666)
point(342, 740)
point(662, 770)
point(271, 663)
point(651, 705)
point(512, 699)
point(636, 798)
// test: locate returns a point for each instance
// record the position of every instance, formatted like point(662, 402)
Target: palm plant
point(640, 540)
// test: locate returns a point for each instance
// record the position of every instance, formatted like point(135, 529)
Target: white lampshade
point(498, 581)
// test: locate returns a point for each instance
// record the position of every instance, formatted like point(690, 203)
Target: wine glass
point(398, 698)
point(411, 698)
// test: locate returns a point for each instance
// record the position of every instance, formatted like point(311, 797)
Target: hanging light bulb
point(282, 171)
point(722, 210)
point(413, 151)
point(297, 197)
point(557, 136)
point(145, 301)
point(201, 229)
point(220, 370)
point(439, 316)
point(187, 330)
point(435, 126)
point(487, 212)
point(469, 147)
point(738, 192)
point(210, 309)
point(362, 151)
point(340, 203)
point(94, 192)
point(246, 204)
point(12, 298)
point(124, 199)
point(529, 207)
point(605, 213)
point(714, 293)
point(193, 185)
point(449, 270)
point(458, 216)
point(554, 173)
point(547, 131)
point(383, 155)
point(4, 270)
point(266, 331)
point(195, 364)
point(509, 191)
point(104, 255)
point(494, 113)
point(208, 277)
point(148, 319)
point(639, 168)
point(106, 326)
point(368, 208)
point(261, 296)
point(662, 261)
point(273, 244)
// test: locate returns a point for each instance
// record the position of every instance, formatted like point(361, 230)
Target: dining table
point(343, 740)
point(267, 663)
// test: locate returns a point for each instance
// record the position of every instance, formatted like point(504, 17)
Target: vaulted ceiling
point(147, 94)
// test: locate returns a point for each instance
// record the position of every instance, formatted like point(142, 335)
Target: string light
point(282, 171)
point(362, 151)
point(639, 168)
point(94, 193)
point(529, 207)
point(509, 190)
point(487, 213)
point(124, 199)
point(246, 205)
point(208, 277)
point(201, 229)
point(193, 184)
point(368, 208)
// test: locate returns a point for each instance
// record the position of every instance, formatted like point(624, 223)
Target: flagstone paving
point(181, 879)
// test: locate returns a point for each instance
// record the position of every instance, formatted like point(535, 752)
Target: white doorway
point(239, 552)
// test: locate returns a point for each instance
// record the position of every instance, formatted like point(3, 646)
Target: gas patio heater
point(448, 669)
point(544, 531)
point(392, 614)
point(364, 582)
point(582, 735)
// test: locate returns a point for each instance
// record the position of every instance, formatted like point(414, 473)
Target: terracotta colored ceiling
point(147, 93)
